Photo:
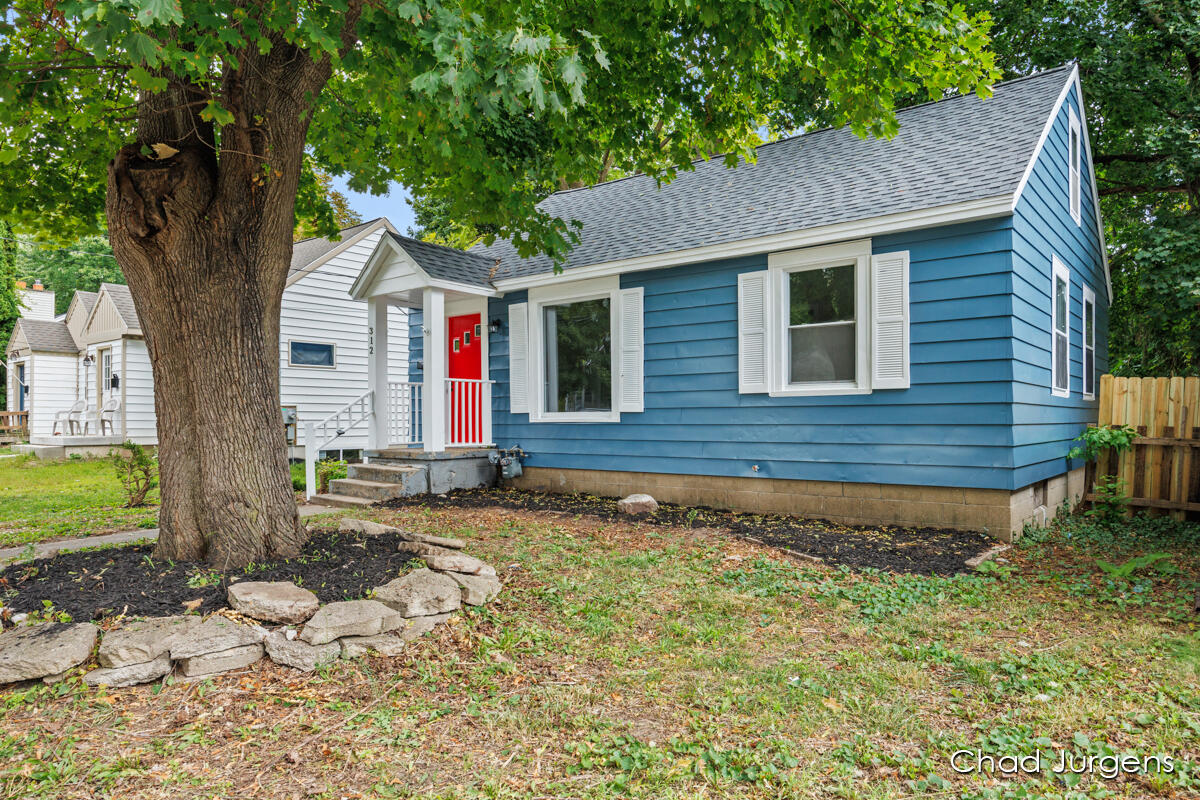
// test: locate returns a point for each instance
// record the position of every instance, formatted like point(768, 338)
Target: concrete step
point(370, 490)
point(340, 501)
point(414, 479)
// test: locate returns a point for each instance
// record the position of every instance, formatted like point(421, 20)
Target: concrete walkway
point(46, 549)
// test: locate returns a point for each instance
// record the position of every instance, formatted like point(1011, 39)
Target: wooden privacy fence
point(1162, 468)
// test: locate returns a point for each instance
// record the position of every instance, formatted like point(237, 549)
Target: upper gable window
point(1074, 156)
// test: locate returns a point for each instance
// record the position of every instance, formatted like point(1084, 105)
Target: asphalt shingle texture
point(45, 335)
point(447, 263)
point(306, 251)
point(952, 151)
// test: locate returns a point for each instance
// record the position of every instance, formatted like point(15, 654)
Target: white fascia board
point(969, 211)
point(313, 266)
point(1072, 83)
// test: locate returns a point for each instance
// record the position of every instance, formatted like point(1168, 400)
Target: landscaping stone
point(364, 526)
point(220, 661)
point(385, 644)
point(131, 674)
point(216, 635)
point(476, 589)
point(420, 593)
point(47, 649)
point(415, 628)
point(437, 541)
point(143, 640)
point(459, 562)
point(423, 549)
point(273, 601)
point(297, 654)
point(350, 618)
point(637, 504)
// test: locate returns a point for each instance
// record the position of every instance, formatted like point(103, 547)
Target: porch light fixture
point(495, 325)
point(88, 360)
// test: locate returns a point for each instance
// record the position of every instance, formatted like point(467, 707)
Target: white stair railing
point(320, 434)
point(468, 412)
point(404, 413)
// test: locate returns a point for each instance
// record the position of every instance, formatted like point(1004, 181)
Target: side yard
point(42, 500)
point(666, 661)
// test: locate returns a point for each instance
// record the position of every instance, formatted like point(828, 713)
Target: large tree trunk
point(202, 230)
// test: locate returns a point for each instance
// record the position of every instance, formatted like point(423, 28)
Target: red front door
point(464, 400)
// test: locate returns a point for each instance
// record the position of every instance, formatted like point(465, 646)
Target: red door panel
point(465, 360)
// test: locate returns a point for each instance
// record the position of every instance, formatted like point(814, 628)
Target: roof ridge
point(815, 131)
point(415, 240)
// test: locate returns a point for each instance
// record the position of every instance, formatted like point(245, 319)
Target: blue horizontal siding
point(951, 428)
point(1044, 425)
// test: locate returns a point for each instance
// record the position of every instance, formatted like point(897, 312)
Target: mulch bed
point(98, 583)
point(923, 551)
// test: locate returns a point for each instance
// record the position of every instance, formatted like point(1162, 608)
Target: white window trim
point(1059, 269)
point(1074, 176)
point(575, 292)
point(311, 366)
point(781, 265)
point(1089, 297)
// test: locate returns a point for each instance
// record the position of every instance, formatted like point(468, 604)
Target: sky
point(393, 205)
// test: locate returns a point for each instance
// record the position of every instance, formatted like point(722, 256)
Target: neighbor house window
point(106, 369)
point(1060, 339)
point(577, 357)
point(1074, 154)
point(821, 335)
point(1089, 343)
point(311, 354)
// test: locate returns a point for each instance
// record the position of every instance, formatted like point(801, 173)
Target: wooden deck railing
point(1162, 469)
point(14, 421)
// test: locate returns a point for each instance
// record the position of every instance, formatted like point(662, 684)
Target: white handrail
point(346, 418)
point(468, 412)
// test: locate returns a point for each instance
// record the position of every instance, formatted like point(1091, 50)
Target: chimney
point(21, 284)
point(37, 285)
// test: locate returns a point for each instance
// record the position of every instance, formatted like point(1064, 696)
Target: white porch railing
point(320, 434)
point(404, 413)
point(468, 412)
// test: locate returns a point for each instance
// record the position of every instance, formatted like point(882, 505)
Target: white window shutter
point(889, 321)
point(518, 358)
point(631, 363)
point(753, 339)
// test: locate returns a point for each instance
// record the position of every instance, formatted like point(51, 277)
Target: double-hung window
point(1060, 334)
point(575, 352)
point(1074, 156)
point(1089, 344)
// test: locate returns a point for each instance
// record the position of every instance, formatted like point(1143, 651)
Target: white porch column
point(377, 371)
point(433, 393)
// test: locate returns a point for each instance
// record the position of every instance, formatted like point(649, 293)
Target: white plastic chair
point(68, 419)
point(106, 415)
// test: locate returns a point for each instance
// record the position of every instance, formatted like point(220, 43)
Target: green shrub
point(137, 470)
point(328, 470)
point(297, 471)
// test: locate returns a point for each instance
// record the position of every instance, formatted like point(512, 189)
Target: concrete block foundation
point(997, 512)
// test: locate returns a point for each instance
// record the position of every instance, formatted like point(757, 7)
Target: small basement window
point(311, 354)
point(1060, 335)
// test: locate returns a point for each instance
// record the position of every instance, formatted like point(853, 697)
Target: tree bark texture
point(202, 229)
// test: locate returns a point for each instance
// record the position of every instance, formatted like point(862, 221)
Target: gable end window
point(1089, 344)
point(1060, 330)
point(312, 354)
point(1074, 157)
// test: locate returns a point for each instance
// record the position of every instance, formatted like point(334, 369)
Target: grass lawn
point(42, 500)
point(624, 660)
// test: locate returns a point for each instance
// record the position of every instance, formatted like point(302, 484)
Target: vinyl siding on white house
point(52, 389)
point(318, 308)
point(138, 385)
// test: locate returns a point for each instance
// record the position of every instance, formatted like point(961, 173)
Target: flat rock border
point(145, 650)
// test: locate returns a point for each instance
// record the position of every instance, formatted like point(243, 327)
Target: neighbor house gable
point(112, 317)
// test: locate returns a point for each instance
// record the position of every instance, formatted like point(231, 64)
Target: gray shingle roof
point(87, 300)
point(123, 301)
point(448, 263)
point(951, 151)
point(306, 251)
point(44, 335)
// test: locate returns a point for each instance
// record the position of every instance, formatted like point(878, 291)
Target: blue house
point(906, 331)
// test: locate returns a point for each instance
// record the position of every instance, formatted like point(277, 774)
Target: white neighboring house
point(96, 354)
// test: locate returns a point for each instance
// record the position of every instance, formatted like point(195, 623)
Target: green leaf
point(158, 12)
